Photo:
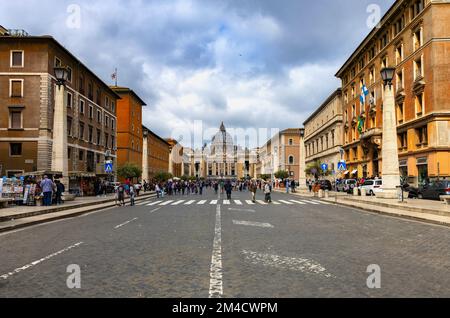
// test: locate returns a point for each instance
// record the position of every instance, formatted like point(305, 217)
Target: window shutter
point(16, 120)
point(16, 89)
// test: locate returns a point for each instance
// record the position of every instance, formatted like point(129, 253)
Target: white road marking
point(249, 202)
point(320, 202)
point(298, 202)
point(189, 202)
point(241, 210)
point(310, 202)
point(201, 202)
point(154, 203)
point(261, 202)
point(238, 202)
point(286, 202)
point(178, 202)
point(214, 202)
point(287, 263)
point(257, 224)
point(276, 203)
point(215, 282)
point(167, 202)
point(143, 203)
point(226, 202)
point(155, 210)
point(25, 267)
point(120, 225)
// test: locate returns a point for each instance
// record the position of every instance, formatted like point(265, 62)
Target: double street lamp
point(390, 166)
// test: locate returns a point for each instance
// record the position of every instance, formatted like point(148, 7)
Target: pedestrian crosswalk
point(302, 202)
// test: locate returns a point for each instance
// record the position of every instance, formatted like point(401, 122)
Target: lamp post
point(59, 148)
point(390, 166)
point(302, 163)
point(145, 175)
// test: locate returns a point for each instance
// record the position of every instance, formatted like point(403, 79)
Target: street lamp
point(302, 163)
point(390, 166)
point(61, 75)
point(59, 147)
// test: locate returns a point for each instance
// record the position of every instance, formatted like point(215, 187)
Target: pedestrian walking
point(253, 189)
point(121, 195)
point(60, 189)
point(132, 195)
point(267, 192)
point(47, 190)
point(228, 189)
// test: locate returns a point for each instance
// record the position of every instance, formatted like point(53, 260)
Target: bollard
point(327, 194)
point(355, 191)
point(321, 194)
point(363, 192)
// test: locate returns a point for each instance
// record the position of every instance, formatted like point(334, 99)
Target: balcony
point(372, 132)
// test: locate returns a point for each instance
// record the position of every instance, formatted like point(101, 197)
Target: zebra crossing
point(301, 202)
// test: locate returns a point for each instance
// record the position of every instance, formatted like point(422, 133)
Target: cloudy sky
point(250, 63)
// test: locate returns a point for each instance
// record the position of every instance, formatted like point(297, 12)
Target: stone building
point(156, 153)
point(27, 99)
point(129, 129)
point(414, 38)
point(324, 133)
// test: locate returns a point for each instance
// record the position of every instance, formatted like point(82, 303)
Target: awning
point(355, 171)
point(346, 173)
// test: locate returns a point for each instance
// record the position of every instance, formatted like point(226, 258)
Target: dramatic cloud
point(253, 63)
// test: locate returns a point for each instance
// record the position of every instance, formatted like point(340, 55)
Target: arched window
point(291, 160)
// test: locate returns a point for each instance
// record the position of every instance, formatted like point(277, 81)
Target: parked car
point(372, 187)
point(434, 190)
point(346, 185)
point(413, 191)
point(325, 185)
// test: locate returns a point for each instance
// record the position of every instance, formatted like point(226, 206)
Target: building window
point(81, 155)
point(99, 98)
point(418, 68)
point(81, 135)
point(99, 116)
point(16, 88)
point(99, 137)
point(69, 100)
point(106, 121)
point(113, 142)
point(57, 62)
point(91, 112)
point(403, 141)
point(98, 158)
point(69, 126)
point(422, 136)
point(372, 75)
point(419, 104)
point(113, 124)
point(384, 40)
point(15, 119)
point(400, 113)
point(291, 142)
point(332, 138)
point(417, 7)
point(372, 53)
point(384, 62)
point(81, 84)
point(399, 80)
point(107, 102)
point(15, 150)
point(353, 111)
point(417, 39)
point(291, 160)
point(106, 140)
point(91, 91)
point(69, 74)
point(69, 153)
point(399, 53)
point(91, 134)
point(17, 59)
point(82, 106)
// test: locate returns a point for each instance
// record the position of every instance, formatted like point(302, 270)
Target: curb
point(51, 218)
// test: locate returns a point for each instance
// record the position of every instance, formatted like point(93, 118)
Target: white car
point(372, 187)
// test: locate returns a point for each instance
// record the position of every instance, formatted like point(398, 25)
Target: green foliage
point(282, 174)
point(129, 171)
point(314, 169)
point(163, 176)
point(265, 177)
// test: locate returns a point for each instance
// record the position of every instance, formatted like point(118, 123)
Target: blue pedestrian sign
point(324, 167)
point(342, 166)
point(108, 167)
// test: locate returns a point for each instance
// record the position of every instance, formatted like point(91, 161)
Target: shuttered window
point(16, 88)
point(16, 119)
point(17, 59)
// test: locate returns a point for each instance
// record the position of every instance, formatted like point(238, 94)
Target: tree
point(163, 176)
point(265, 177)
point(129, 171)
point(282, 174)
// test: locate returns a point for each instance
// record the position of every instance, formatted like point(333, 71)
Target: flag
point(365, 90)
point(114, 75)
point(362, 98)
point(360, 124)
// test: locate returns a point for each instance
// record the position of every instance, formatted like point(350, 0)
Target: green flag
point(360, 125)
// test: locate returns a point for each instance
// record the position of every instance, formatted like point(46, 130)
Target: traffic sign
point(324, 167)
point(108, 167)
point(342, 166)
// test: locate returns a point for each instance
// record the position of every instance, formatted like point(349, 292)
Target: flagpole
point(116, 76)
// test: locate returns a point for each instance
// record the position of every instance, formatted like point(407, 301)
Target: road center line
point(120, 225)
point(155, 210)
point(215, 283)
point(241, 210)
point(25, 267)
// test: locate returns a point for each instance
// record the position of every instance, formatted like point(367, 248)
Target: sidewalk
point(22, 216)
point(435, 212)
